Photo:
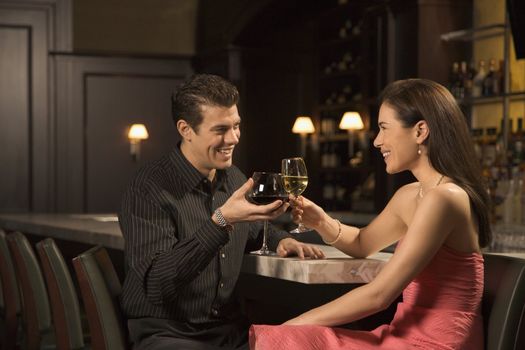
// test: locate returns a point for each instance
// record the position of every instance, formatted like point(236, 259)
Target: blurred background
point(75, 75)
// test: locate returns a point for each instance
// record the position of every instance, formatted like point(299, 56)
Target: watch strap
point(222, 221)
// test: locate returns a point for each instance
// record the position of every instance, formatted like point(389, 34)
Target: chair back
point(503, 305)
point(36, 314)
point(62, 296)
point(100, 288)
point(10, 295)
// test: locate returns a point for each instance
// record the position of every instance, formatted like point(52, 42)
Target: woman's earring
point(418, 150)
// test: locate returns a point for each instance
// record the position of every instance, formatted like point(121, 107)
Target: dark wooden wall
point(98, 98)
point(29, 30)
point(64, 117)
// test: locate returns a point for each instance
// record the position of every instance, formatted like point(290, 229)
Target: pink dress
point(440, 310)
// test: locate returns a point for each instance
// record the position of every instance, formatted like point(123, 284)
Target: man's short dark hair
point(201, 90)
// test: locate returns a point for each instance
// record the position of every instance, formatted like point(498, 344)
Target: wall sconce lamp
point(136, 134)
point(303, 126)
point(351, 121)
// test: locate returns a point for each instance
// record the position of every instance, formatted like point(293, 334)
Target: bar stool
point(36, 314)
point(100, 288)
point(503, 304)
point(11, 297)
point(62, 296)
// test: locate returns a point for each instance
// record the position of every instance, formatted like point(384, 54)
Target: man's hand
point(238, 209)
point(289, 246)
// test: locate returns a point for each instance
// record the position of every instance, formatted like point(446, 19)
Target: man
point(187, 223)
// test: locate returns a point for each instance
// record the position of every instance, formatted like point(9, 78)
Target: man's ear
point(185, 130)
point(422, 131)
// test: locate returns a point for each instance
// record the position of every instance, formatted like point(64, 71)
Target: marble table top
point(337, 267)
point(103, 229)
point(92, 229)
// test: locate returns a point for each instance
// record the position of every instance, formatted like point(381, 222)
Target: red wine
point(267, 199)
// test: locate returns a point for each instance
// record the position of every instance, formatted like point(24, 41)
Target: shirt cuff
point(211, 236)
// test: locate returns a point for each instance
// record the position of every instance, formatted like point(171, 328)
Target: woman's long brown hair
point(450, 148)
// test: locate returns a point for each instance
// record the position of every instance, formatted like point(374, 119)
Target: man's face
point(211, 145)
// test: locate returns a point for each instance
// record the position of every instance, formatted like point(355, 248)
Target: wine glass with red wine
point(267, 188)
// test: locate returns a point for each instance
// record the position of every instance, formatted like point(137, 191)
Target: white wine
point(295, 184)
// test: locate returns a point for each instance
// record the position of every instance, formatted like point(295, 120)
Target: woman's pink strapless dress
point(440, 310)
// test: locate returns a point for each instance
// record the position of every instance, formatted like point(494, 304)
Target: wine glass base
point(265, 252)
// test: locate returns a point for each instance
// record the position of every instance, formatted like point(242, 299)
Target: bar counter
point(103, 229)
point(93, 229)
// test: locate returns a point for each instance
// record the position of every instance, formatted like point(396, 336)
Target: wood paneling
point(15, 119)
point(97, 99)
point(28, 30)
point(112, 104)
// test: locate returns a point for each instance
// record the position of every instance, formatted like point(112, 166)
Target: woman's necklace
point(420, 192)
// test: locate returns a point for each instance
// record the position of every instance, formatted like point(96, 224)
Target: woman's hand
point(307, 212)
point(238, 209)
point(290, 246)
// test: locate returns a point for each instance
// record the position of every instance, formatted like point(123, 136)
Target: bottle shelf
point(473, 34)
point(347, 169)
point(333, 138)
point(513, 96)
point(340, 74)
point(347, 105)
point(350, 40)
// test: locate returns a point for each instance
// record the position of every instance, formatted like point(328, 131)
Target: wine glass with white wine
point(295, 178)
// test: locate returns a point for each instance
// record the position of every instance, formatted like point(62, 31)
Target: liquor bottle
point(508, 203)
point(489, 147)
point(469, 80)
point(328, 188)
point(334, 157)
point(477, 140)
point(501, 77)
point(503, 156)
point(517, 140)
point(488, 82)
point(324, 156)
point(340, 189)
point(496, 80)
point(462, 77)
point(454, 79)
point(477, 86)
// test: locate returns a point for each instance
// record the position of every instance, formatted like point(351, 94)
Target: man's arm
point(154, 253)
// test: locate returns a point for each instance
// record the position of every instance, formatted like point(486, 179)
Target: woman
point(440, 223)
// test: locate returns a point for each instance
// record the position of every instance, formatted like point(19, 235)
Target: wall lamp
point(303, 126)
point(137, 133)
point(351, 121)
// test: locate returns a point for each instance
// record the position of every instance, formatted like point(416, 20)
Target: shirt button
point(221, 285)
point(215, 312)
point(223, 255)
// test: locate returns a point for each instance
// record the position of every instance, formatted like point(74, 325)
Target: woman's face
point(397, 144)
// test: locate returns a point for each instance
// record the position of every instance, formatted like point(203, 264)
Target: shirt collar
point(191, 178)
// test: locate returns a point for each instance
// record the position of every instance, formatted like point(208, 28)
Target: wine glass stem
point(300, 223)
point(265, 236)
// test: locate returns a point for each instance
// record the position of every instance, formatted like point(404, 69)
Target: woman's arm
point(384, 230)
point(438, 214)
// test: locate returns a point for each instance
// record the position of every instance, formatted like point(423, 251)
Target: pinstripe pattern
point(180, 265)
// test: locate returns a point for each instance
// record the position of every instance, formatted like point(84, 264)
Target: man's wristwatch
point(222, 221)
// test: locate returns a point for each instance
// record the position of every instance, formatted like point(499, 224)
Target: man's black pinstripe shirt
point(180, 265)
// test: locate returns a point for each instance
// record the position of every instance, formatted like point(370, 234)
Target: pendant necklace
point(420, 192)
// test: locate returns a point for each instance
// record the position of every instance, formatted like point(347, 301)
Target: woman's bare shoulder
point(406, 191)
point(449, 199)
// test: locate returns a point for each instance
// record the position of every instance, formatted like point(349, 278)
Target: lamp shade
point(138, 132)
point(351, 121)
point(303, 125)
